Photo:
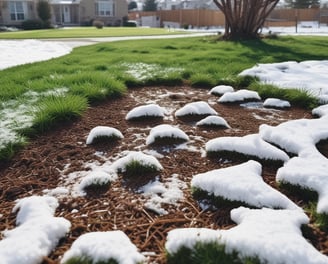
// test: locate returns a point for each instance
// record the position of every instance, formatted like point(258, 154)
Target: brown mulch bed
point(43, 163)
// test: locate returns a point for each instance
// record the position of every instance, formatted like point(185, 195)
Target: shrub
point(98, 24)
point(32, 24)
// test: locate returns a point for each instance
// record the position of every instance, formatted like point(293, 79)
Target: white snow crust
point(213, 120)
point(238, 96)
point(102, 246)
point(249, 145)
point(242, 183)
point(37, 232)
point(221, 89)
point(150, 110)
point(275, 102)
point(320, 110)
point(196, 108)
point(103, 131)
point(165, 131)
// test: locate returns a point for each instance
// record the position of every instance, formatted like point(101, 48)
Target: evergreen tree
point(150, 5)
point(132, 5)
point(302, 3)
point(44, 12)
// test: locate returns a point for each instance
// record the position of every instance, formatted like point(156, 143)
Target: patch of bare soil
point(49, 158)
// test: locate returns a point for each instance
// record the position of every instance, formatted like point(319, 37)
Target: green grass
point(88, 260)
point(56, 109)
point(97, 72)
point(209, 253)
point(299, 98)
point(321, 220)
point(87, 32)
point(136, 169)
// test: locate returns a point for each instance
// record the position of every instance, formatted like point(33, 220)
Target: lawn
point(144, 183)
point(97, 72)
point(87, 32)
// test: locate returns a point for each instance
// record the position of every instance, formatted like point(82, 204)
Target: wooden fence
point(210, 18)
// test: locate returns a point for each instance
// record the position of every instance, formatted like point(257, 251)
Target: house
point(65, 12)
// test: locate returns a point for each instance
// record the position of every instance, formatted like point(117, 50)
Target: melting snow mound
point(103, 131)
point(165, 131)
point(239, 96)
point(242, 183)
point(213, 121)
point(276, 103)
point(144, 159)
point(196, 108)
point(221, 89)
point(104, 246)
point(320, 110)
point(37, 234)
point(310, 171)
point(274, 236)
point(151, 110)
point(251, 145)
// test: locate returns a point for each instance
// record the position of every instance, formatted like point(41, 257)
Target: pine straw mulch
point(48, 158)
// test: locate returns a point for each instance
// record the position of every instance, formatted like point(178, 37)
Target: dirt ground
point(44, 162)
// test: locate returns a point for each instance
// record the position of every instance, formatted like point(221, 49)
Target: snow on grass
point(252, 145)
point(74, 183)
point(196, 108)
point(242, 183)
point(296, 135)
point(310, 171)
point(37, 232)
point(239, 96)
point(102, 247)
point(142, 71)
point(310, 76)
point(213, 121)
point(150, 161)
point(158, 193)
point(165, 131)
point(272, 236)
point(103, 131)
point(18, 114)
point(99, 178)
point(29, 51)
point(320, 110)
point(150, 110)
point(221, 89)
point(276, 103)
point(189, 237)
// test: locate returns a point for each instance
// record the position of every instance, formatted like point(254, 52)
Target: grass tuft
point(202, 80)
point(88, 260)
point(236, 156)
point(53, 110)
point(296, 97)
point(209, 253)
point(135, 168)
point(218, 201)
point(9, 150)
point(321, 220)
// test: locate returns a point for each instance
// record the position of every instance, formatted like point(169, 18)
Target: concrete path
point(78, 42)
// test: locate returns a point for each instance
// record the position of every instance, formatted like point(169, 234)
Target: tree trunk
point(244, 18)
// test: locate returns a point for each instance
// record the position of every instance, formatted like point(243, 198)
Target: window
point(17, 10)
point(104, 8)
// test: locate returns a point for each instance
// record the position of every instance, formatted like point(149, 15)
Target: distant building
point(65, 12)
